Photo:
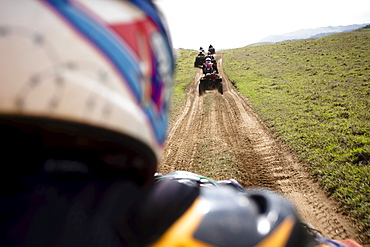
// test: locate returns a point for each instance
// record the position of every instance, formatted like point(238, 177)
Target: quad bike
point(210, 81)
point(199, 60)
point(267, 211)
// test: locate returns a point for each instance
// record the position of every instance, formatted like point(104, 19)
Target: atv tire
point(219, 87)
point(201, 88)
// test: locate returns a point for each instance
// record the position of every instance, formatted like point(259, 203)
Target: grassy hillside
point(315, 94)
point(184, 74)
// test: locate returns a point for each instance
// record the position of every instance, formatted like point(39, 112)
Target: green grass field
point(315, 95)
point(184, 75)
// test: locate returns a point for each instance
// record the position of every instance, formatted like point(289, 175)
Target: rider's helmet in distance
point(84, 84)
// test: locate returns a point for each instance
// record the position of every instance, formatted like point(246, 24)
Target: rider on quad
point(209, 67)
point(213, 60)
point(201, 54)
point(199, 60)
point(209, 55)
point(211, 49)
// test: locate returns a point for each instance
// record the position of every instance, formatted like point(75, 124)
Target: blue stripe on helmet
point(105, 41)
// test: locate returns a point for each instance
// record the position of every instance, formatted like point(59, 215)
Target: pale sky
point(230, 24)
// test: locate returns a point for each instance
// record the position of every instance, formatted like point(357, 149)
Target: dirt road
point(221, 137)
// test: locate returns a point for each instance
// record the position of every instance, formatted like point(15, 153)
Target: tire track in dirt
point(179, 151)
point(220, 136)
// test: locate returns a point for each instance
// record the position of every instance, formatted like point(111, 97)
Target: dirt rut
point(220, 136)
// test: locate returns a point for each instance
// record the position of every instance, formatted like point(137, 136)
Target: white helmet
point(88, 77)
point(208, 59)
